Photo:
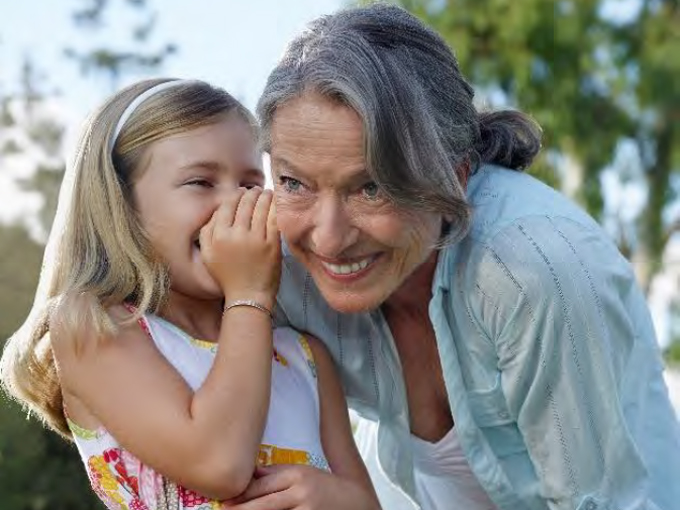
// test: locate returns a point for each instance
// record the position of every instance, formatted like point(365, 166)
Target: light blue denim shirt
point(549, 357)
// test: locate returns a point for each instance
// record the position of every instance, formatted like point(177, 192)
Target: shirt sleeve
point(567, 316)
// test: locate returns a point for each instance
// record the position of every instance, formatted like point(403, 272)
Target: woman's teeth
point(354, 267)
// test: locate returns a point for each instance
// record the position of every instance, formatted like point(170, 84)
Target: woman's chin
point(350, 302)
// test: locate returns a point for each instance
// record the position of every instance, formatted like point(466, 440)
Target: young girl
point(150, 341)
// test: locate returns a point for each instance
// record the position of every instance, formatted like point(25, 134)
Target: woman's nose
point(333, 230)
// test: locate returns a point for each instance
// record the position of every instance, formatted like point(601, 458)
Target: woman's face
point(357, 245)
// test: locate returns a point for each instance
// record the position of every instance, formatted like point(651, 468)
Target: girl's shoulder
point(81, 330)
point(294, 347)
point(76, 320)
point(289, 342)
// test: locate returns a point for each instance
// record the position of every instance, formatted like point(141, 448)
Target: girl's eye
point(251, 185)
point(370, 190)
point(289, 184)
point(204, 183)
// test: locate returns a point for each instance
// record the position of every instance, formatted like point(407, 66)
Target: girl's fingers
point(226, 212)
point(275, 501)
point(223, 215)
point(246, 206)
point(261, 213)
point(272, 229)
point(205, 235)
point(269, 482)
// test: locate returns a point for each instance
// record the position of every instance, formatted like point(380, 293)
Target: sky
point(232, 44)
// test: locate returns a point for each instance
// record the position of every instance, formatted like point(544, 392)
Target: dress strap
point(141, 320)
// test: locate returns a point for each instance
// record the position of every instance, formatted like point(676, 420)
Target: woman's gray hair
point(421, 129)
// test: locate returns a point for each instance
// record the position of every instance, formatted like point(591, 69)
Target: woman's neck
point(199, 318)
point(413, 297)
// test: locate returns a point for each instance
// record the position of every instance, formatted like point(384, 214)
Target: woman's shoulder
point(526, 240)
point(535, 263)
point(521, 223)
point(502, 199)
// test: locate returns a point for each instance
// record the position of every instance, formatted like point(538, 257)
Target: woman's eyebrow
point(282, 162)
point(360, 175)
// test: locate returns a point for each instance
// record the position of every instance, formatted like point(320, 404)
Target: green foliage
point(672, 353)
point(115, 63)
point(20, 259)
point(39, 469)
point(593, 81)
point(45, 137)
point(46, 181)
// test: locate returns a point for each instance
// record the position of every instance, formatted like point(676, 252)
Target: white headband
point(138, 101)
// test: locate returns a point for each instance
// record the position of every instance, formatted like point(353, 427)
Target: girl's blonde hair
point(98, 254)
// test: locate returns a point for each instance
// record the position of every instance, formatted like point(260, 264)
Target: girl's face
point(359, 248)
point(185, 178)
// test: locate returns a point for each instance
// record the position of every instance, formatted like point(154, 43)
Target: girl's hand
point(240, 247)
point(293, 487)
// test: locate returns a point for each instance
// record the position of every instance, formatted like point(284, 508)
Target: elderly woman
point(488, 324)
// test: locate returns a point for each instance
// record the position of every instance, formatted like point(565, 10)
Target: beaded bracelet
point(248, 302)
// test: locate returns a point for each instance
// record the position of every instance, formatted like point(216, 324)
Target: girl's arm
point(206, 441)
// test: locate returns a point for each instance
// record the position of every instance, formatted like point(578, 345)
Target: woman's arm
point(576, 352)
point(336, 431)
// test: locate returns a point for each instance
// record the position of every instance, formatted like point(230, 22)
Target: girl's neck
point(199, 318)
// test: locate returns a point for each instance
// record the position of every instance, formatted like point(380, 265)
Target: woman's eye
point(289, 184)
point(370, 190)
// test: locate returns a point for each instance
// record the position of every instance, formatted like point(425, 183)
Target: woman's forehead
point(312, 112)
point(313, 128)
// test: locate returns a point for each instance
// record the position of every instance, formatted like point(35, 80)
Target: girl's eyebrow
point(215, 167)
point(254, 172)
point(212, 166)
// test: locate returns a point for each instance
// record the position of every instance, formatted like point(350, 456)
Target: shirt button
point(503, 415)
point(591, 505)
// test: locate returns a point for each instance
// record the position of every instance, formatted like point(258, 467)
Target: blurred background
point(600, 76)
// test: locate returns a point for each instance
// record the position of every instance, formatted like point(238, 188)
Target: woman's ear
point(463, 173)
point(447, 220)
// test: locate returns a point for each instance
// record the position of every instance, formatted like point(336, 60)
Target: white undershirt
point(444, 480)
